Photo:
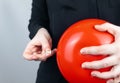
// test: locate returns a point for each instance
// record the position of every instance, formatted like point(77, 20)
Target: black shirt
point(57, 15)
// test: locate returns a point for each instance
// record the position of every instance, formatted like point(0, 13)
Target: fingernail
point(93, 74)
point(97, 25)
point(82, 51)
point(83, 65)
point(47, 52)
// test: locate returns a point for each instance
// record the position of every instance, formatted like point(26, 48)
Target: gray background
point(14, 16)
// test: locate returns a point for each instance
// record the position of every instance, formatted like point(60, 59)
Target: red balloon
point(69, 59)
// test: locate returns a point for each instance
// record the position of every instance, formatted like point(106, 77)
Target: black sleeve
point(39, 17)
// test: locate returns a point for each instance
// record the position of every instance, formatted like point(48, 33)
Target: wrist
point(43, 31)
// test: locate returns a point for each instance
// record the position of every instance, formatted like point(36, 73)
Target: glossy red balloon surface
point(69, 59)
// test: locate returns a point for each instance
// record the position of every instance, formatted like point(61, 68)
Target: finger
point(50, 53)
point(31, 49)
point(110, 81)
point(46, 54)
point(35, 58)
point(96, 50)
point(107, 75)
point(39, 57)
point(112, 29)
point(106, 62)
point(30, 54)
point(28, 57)
point(27, 54)
point(40, 50)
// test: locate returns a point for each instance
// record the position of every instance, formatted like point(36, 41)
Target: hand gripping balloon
point(79, 35)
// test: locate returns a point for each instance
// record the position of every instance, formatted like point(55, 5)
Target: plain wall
point(14, 18)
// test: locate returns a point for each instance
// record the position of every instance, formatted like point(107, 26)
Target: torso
point(63, 13)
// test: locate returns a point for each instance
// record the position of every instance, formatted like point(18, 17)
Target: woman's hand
point(39, 48)
point(113, 50)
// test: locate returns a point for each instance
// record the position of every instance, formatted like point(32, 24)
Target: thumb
point(46, 47)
